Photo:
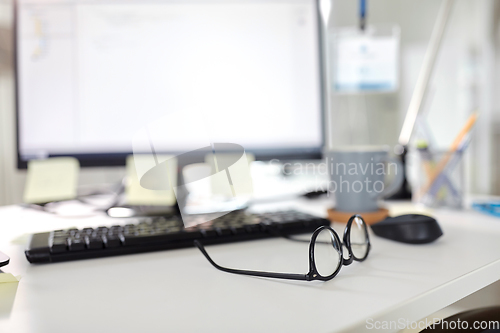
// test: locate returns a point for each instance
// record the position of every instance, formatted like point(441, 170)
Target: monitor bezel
point(118, 159)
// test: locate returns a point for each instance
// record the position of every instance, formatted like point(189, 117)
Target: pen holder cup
point(438, 178)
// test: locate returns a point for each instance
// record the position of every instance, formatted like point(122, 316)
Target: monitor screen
point(92, 73)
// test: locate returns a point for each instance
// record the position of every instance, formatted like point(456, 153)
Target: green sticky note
point(53, 179)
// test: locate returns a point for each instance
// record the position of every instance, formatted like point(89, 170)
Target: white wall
point(462, 80)
point(8, 182)
point(495, 36)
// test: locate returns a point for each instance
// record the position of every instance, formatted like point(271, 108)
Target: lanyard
point(362, 14)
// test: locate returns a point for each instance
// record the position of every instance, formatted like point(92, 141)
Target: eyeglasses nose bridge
point(345, 251)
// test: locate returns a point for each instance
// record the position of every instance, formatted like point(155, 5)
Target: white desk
point(179, 291)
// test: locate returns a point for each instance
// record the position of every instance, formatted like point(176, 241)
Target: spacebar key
point(147, 239)
point(158, 238)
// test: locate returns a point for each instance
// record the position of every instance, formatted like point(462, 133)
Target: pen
point(428, 165)
point(443, 179)
point(454, 146)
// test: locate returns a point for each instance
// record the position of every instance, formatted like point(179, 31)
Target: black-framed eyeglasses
point(326, 254)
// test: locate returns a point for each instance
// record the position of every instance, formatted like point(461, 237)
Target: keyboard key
point(58, 245)
point(133, 239)
point(94, 242)
point(115, 231)
point(235, 230)
point(87, 231)
point(293, 225)
point(189, 235)
point(101, 231)
point(223, 231)
point(73, 231)
point(111, 241)
point(252, 228)
point(208, 233)
point(60, 233)
point(76, 244)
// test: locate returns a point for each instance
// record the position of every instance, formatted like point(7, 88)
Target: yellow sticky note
point(8, 290)
point(9, 278)
point(53, 179)
point(137, 166)
point(239, 170)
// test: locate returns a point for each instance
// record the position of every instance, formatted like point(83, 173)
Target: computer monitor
point(91, 73)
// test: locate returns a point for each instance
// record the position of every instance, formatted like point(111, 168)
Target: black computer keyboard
point(164, 233)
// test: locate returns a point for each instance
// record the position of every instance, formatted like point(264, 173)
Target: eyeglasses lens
point(327, 254)
point(358, 238)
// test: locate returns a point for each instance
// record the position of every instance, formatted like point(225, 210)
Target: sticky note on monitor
point(239, 172)
point(52, 179)
point(137, 165)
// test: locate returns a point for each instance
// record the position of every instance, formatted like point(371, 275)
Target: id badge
point(366, 61)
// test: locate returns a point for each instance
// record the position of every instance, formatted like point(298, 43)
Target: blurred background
point(465, 78)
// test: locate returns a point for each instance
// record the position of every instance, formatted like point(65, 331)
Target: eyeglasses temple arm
point(289, 276)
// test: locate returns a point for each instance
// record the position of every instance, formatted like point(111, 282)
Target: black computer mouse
point(410, 228)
